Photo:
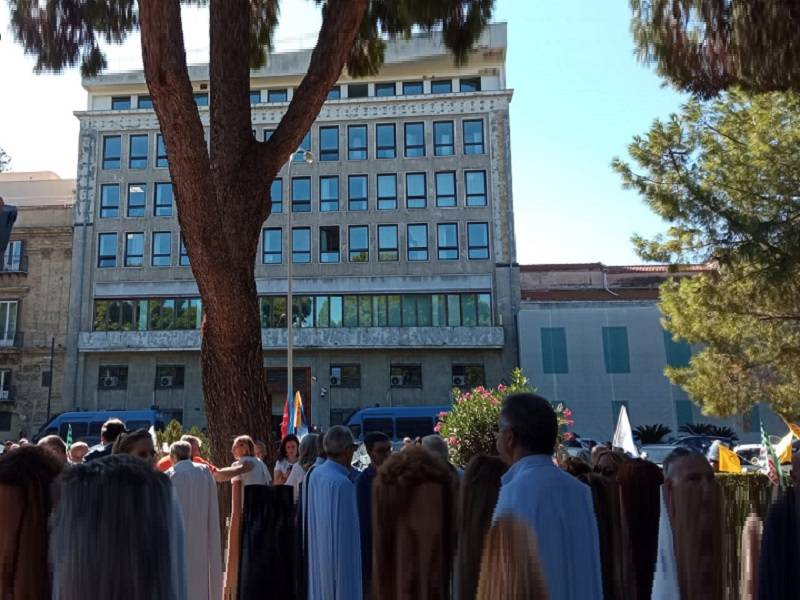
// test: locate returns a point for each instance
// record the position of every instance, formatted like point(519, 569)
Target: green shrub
point(173, 431)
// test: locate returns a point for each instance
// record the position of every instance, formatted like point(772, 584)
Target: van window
point(386, 425)
point(134, 425)
point(414, 427)
point(356, 429)
point(79, 429)
point(95, 427)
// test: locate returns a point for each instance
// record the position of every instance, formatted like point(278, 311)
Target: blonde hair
point(510, 567)
point(247, 441)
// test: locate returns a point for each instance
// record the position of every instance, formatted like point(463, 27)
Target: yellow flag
point(783, 449)
point(728, 460)
point(794, 428)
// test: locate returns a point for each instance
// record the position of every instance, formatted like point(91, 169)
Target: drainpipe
point(605, 282)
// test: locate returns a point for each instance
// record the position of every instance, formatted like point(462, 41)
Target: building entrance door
point(276, 393)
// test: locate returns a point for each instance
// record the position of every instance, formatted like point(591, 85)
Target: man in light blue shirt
point(556, 506)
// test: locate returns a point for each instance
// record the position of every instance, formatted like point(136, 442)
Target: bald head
point(692, 467)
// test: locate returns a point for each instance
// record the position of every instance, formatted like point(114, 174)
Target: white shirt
point(284, 465)
point(258, 475)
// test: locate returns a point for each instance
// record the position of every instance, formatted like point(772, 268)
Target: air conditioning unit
point(334, 380)
point(109, 382)
point(459, 381)
point(165, 381)
point(397, 380)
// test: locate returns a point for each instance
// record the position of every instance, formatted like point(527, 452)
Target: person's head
point(528, 425)
point(510, 567)
point(243, 446)
point(77, 451)
point(340, 445)
point(8, 444)
point(478, 496)
point(289, 448)
point(138, 443)
point(321, 446)
point(114, 529)
point(683, 465)
point(261, 449)
point(413, 504)
point(436, 445)
point(24, 442)
point(379, 447)
point(575, 466)
point(408, 443)
point(308, 450)
point(179, 451)
point(56, 446)
point(111, 430)
point(195, 443)
point(608, 463)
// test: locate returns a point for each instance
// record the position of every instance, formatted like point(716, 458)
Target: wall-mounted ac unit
point(397, 380)
point(459, 381)
point(109, 382)
point(165, 381)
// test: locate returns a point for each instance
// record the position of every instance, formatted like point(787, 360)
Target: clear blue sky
point(579, 98)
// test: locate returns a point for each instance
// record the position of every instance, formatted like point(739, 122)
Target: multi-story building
point(34, 296)
point(590, 336)
point(402, 240)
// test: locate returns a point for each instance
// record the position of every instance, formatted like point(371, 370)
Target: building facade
point(590, 336)
point(34, 297)
point(402, 241)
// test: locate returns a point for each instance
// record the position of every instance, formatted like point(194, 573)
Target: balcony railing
point(11, 339)
point(14, 264)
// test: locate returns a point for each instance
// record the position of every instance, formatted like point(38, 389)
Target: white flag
point(623, 436)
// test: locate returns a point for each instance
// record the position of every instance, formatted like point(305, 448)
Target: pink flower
point(569, 422)
point(567, 413)
point(501, 388)
point(437, 428)
point(495, 401)
point(452, 440)
point(442, 414)
point(569, 436)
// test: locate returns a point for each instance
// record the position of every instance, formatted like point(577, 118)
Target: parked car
point(397, 422)
point(701, 443)
point(749, 456)
point(656, 453)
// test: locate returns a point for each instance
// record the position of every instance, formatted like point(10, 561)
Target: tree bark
point(222, 199)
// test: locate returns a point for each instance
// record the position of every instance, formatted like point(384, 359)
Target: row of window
point(115, 377)
point(408, 310)
point(388, 243)
point(134, 251)
point(353, 90)
point(463, 376)
point(111, 200)
point(616, 355)
point(414, 144)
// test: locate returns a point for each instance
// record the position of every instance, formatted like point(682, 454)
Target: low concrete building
point(34, 300)
point(590, 336)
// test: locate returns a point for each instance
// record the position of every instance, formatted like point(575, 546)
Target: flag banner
point(729, 461)
point(285, 420)
point(69, 437)
point(299, 427)
point(623, 436)
point(774, 471)
point(783, 449)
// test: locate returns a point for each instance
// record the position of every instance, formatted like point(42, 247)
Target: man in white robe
point(196, 493)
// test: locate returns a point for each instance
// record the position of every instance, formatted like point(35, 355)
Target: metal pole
point(289, 298)
point(50, 379)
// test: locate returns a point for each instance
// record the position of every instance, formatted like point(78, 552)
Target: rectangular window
point(446, 189)
point(484, 310)
point(120, 102)
point(386, 145)
point(335, 311)
point(684, 413)
point(162, 249)
point(169, 377)
point(329, 143)
point(417, 238)
point(137, 155)
point(301, 245)
point(112, 152)
point(468, 377)
point(107, 250)
point(8, 322)
point(442, 86)
point(469, 310)
point(615, 350)
point(144, 102)
point(346, 376)
point(416, 190)
point(12, 257)
point(387, 192)
point(387, 243)
point(356, 142)
point(412, 88)
point(161, 151)
point(301, 194)
point(453, 310)
point(405, 376)
point(447, 234)
point(183, 259)
point(358, 243)
point(394, 311)
point(329, 193)
point(303, 311)
point(273, 312)
point(109, 201)
point(414, 140)
point(134, 249)
point(475, 184)
point(268, 134)
point(443, 138)
point(358, 90)
point(276, 195)
point(385, 89)
point(350, 311)
point(473, 136)
point(272, 246)
point(478, 241)
point(471, 84)
point(305, 146)
point(137, 198)
point(322, 311)
point(554, 350)
point(201, 99)
point(277, 95)
point(335, 93)
point(161, 314)
point(255, 96)
point(364, 311)
point(163, 203)
point(357, 193)
point(329, 246)
point(678, 353)
point(112, 377)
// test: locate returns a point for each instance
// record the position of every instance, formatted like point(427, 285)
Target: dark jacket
point(364, 499)
point(98, 452)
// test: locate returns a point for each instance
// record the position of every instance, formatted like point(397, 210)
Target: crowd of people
point(117, 521)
